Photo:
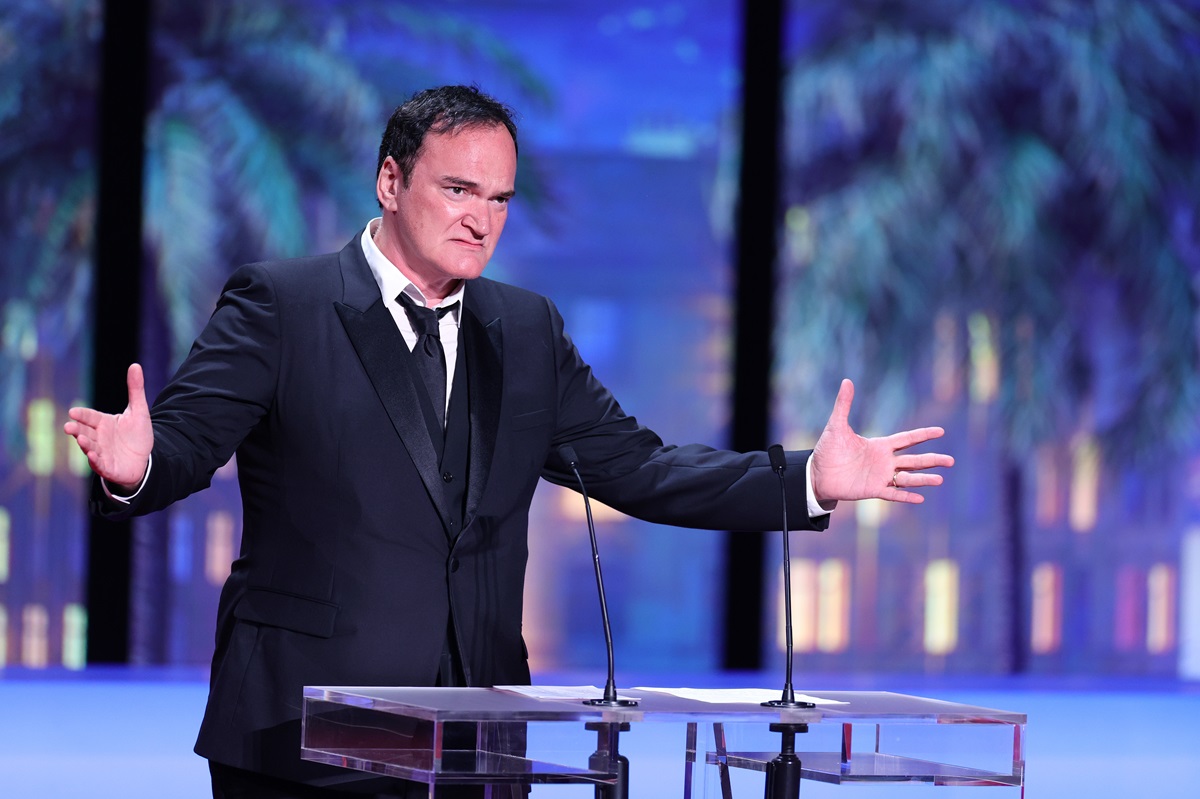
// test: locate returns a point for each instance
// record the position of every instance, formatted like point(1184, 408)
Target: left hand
point(846, 466)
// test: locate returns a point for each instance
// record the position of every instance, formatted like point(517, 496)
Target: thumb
point(135, 383)
point(840, 416)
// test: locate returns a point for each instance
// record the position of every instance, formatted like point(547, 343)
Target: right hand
point(117, 445)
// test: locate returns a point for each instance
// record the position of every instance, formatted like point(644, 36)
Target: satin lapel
point(483, 341)
point(379, 346)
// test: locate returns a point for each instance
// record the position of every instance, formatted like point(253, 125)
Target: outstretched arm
point(117, 445)
point(846, 466)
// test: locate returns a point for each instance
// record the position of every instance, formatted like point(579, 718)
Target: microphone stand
point(783, 773)
point(606, 757)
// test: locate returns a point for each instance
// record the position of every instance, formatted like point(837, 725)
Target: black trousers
point(236, 783)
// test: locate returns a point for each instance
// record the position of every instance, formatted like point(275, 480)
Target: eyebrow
point(470, 184)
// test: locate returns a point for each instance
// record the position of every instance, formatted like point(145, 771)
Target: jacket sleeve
point(627, 466)
point(222, 389)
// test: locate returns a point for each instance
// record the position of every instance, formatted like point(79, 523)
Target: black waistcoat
point(450, 445)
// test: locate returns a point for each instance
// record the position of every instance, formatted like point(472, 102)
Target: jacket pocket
point(288, 611)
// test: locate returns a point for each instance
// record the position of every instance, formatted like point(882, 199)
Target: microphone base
point(611, 702)
point(790, 703)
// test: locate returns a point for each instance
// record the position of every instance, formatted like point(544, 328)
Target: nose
point(479, 220)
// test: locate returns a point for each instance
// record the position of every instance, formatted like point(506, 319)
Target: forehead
point(473, 153)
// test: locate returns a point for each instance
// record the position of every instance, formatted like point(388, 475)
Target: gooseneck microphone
point(784, 772)
point(610, 689)
point(779, 465)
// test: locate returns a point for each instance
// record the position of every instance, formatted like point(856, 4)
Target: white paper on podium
point(559, 691)
point(741, 696)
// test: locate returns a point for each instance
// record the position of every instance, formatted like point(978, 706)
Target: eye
point(457, 190)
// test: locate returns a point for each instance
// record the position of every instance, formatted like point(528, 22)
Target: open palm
point(117, 445)
point(847, 466)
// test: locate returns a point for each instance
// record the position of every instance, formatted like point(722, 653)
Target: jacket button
point(447, 477)
point(453, 565)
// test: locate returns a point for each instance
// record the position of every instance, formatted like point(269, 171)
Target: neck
point(433, 294)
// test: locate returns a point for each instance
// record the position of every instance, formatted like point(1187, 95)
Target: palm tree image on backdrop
point(48, 124)
point(263, 128)
point(993, 209)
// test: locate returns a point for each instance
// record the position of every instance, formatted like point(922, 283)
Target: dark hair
point(438, 110)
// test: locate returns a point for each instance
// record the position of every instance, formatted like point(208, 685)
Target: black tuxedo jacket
point(347, 574)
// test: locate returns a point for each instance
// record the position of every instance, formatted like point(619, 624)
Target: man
point(387, 455)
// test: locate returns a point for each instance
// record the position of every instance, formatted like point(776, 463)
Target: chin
point(468, 272)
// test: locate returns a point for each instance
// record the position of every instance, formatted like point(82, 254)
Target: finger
point(924, 460)
point(910, 438)
point(85, 416)
point(841, 405)
point(916, 480)
point(135, 382)
point(85, 443)
point(900, 495)
point(76, 429)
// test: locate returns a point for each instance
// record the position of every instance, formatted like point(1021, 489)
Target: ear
point(389, 183)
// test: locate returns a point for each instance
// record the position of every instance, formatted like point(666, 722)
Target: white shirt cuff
point(125, 500)
point(814, 507)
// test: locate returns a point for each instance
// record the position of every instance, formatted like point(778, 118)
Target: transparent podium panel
point(453, 736)
point(446, 736)
point(875, 738)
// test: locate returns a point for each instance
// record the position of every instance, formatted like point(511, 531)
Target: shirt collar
point(391, 280)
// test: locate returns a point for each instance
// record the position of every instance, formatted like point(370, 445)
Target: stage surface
point(129, 732)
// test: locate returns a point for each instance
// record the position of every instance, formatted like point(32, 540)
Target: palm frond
point(1032, 150)
point(183, 225)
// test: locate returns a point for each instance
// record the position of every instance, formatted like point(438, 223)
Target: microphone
point(779, 465)
point(610, 689)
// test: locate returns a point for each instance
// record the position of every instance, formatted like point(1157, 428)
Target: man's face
point(443, 227)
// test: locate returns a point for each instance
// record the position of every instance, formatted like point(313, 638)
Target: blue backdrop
point(989, 221)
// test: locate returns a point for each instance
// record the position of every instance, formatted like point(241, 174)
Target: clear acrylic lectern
point(448, 736)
